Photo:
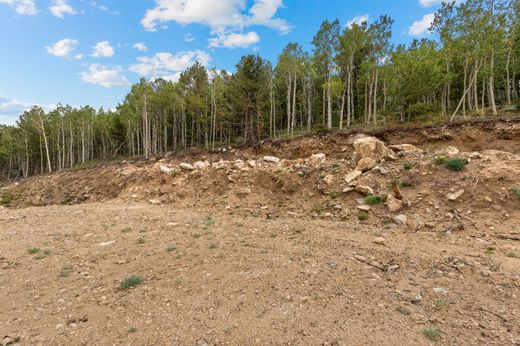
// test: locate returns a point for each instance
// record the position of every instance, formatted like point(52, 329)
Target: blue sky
point(88, 52)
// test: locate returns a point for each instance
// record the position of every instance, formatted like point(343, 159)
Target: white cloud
point(234, 40)
point(62, 48)
point(224, 17)
point(167, 65)
point(430, 3)
point(60, 7)
point(421, 27)
point(189, 37)
point(103, 50)
point(10, 110)
point(78, 56)
point(104, 76)
point(358, 20)
point(23, 7)
point(140, 46)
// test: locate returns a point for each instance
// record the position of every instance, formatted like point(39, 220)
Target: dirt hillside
point(404, 236)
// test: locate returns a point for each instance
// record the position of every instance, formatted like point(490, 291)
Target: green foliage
point(512, 254)
point(141, 240)
point(43, 254)
point(33, 250)
point(456, 164)
point(373, 200)
point(65, 271)
point(408, 166)
point(7, 198)
point(333, 194)
point(362, 216)
point(213, 245)
point(440, 160)
point(130, 282)
point(490, 251)
point(432, 333)
point(516, 192)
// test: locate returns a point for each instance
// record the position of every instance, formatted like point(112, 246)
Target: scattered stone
point(379, 241)
point(349, 189)
point(271, 159)
point(172, 224)
point(401, 219)
point(186, 166)
point(404, 310)
point(393, 204)
point(364, 190)
point(380, 169)
point(200, 165)
point(406, 148)
point(328, 179)
point(251, 163)
point(451, 151)
point(167, 170)
point(360, 258)
point(349, 178)
point(454, 196)
point(440, 290)
point(370, 147)
point(317, 158)
point(364, 208)
point(107, 243)
point(366, 164)
point(244, 192)
point(154, 201)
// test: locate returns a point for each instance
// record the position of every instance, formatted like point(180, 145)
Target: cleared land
point(272, 253)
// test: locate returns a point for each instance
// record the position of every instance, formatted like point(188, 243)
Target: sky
point(89, 52)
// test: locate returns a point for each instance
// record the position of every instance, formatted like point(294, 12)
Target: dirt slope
point(249, 251)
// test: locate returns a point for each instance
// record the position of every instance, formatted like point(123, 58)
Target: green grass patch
point(490, 251)
point(130, 282)
point(333, 195)
point(126, 230)
point(141, 240)
point(33, 250)
point(516, 192)
point(65, 271)
point(373, 200)
point(512, 254)
point(440, 160)
point(456, 164)
point(432, 333)
point(408, 166)
point(43, 254)
point(213, 245)
point(7, 198)
point(362, 216)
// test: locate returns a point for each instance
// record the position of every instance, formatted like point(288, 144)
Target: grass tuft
point(373, 200)
point(130, 282)
point(456, 164)
point(432, 333)
point(408, 166)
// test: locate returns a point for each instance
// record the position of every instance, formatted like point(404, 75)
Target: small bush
point(333, 195)
point(456, 164)
point(432, 333)
point(490, 251)
point(33, 250)
point(408, 166)
point(209, 222)
point(373, 200)
point(43, 254)
point(213, 245)
point(362, 216)
point(141, 240)
point(65, 271)
point(7, 198)
point(130, 282)
point(132, 329)
point(126, 230)
point(512, 254)
point(516, 192)
point(171, 249)
point(440, 160)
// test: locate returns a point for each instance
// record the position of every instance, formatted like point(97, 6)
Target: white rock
point(401, 219)
point(366, 164)
point(200, 165)
point(364, 190)
point(451, 151)
point(364, 207)
point(349, 178)
point(251, 163)
point(379, 241)
point(107, 243)
point(328, 179)
point(166, 169)
point(454, 196)
point(186, 166)
point(271, 159)
point(370, 147)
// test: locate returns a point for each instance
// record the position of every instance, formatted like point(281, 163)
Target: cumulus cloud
point(234, 40)
point(430, 3)
point(140, 46)
point(104, 76)
point(62, 48)
point(23, 7)
point(103, 50)
point(421, 27)
point(358, 20)
point(224, 17)
point(11, 109)
point(59, 8)
point(168, 66)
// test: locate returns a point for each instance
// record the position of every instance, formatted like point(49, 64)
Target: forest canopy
point(352, 76)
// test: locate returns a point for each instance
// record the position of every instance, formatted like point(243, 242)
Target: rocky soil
point(409, 236)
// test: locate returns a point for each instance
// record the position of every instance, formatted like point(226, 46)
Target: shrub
point(130, 282)
point(408, 166)
point(65, 271)
point(373, 200)
point(516, 192)
point(440, 160)
point(362, 216)
point(33, 250)
point(333, 195)
point(456, 164)
point(512, 254)
point(7, 198)
point(432, 333)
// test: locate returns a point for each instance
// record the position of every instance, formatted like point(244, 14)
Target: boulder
point(393, 204)
point(328, 179)
point(271, 159)
point(366, 164)
point(451, 151)
point(186, 166)
point(364, 190)
point(406, 148)
point(167, 170)
point(316, 159)
point(200, 165)
point(349, 178)
point(401, 219)
point(370, 147)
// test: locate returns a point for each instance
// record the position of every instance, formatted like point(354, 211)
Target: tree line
point(352, 76)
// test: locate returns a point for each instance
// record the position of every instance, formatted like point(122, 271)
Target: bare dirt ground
point(246, 251)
